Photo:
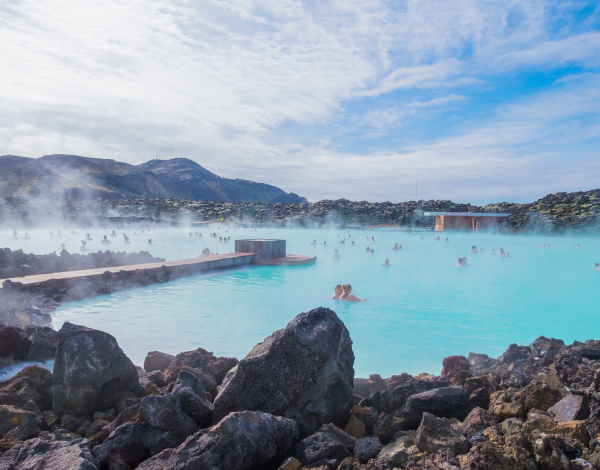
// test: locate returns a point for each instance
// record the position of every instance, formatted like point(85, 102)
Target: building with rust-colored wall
point(465, 220)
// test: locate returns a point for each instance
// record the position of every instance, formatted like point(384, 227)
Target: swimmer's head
point(338, 289)
point(347, 288)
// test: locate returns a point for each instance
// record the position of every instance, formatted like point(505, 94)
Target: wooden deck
point(202, 263)
point(287, 260)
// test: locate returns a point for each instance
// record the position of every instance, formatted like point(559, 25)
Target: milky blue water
point(419, 310)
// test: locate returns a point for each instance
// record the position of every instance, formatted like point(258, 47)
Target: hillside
point(180, 178)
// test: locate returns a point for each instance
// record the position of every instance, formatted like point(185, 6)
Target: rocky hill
point(70, 175)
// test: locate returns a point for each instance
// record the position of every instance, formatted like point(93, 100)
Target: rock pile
point(554, 213)
point(17, 263)
point(290, 404)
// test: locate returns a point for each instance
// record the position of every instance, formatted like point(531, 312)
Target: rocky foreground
point(293, 403)
point(555, 213)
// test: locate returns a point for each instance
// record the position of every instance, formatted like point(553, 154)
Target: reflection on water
point(419, 310)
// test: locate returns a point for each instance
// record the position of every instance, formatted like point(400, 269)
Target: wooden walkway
point(202, 263)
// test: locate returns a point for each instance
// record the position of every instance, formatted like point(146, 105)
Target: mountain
point(58, 175)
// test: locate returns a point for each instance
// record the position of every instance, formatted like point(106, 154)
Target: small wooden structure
point(271, 252)
point(465, 220)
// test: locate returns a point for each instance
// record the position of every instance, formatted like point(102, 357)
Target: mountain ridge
point(73, 175)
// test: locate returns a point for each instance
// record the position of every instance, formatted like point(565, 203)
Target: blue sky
point(480, 101)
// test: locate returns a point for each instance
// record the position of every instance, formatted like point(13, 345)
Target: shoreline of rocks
point(293, 403)
point(556, 213)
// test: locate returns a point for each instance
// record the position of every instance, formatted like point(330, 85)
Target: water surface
point(418, 311)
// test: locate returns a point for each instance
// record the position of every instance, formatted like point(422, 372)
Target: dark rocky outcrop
point(33, 383)
point(367, 448)
point(476, 422)
point(40, 454)
point(156, 423)
point(242, 440)
point(156, 360)
point(441, 433)
point(303, 372)
point(26, 421)
point(12, 346)
point(213, 368)
point(452, 365)
point(42, 342)
point(320, 446)
point(446, 402)
point(571, 408)
point(394, 399)
point(91, 372)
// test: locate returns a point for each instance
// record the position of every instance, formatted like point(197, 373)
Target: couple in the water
point(344, 292)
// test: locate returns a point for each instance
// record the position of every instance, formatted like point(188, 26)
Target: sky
point(469, 100)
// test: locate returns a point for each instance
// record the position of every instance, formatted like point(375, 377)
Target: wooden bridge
point(264, 252)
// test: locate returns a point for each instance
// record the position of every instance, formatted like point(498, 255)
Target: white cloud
point(222, 82)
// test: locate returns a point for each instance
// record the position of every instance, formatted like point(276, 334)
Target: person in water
point(113, 234)
point(578, 247)
point(386, 262)
point(368, 249)
point(336, 255)
point(314, 242)
point(437, 239)
point(597, 265)
point(395, 247)
point(473, 250)
point(26, 237)
point(83, 247)
point(462, 262)
point(447, 240)
point(347, 295)
point(422, 238)
point(149, 242)
point(87, 237)
point(105, 241)
point(337, 293)
point(372, 251)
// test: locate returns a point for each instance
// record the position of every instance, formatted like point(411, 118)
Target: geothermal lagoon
point(418, 311)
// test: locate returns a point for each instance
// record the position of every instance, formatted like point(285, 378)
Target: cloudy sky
point(478, 100)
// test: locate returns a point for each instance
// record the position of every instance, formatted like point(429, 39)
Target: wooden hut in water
point(465, 220)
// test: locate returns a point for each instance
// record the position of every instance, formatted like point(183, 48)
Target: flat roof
point(468, 214)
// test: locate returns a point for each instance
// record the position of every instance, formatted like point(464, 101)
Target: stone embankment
point(29, 305)
point(293, 403)
point(18, 263)
point(555, 213)
point(25, 305)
